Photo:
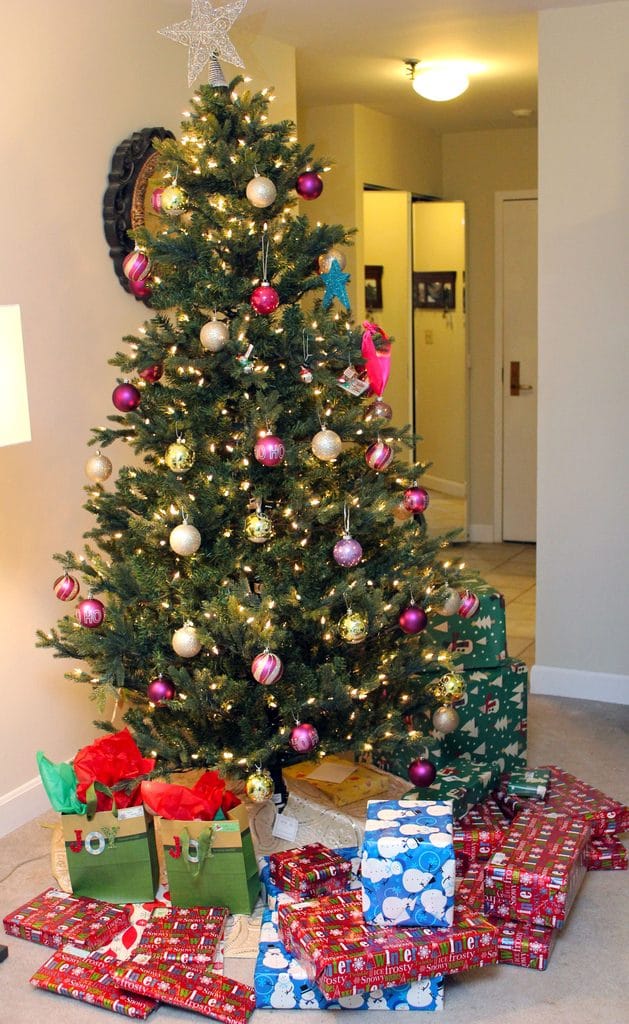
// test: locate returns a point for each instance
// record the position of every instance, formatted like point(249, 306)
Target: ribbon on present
point(377, 361)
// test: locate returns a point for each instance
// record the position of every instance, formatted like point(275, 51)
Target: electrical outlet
point(428, 338)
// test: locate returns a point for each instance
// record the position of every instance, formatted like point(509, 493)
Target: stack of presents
point(481, 868)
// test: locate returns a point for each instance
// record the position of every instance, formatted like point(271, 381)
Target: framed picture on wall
point(434, 289)
point(373, 287)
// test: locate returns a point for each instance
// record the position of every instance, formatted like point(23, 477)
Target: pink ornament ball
point(126, 397)
point(378, 456)
point(304, 738)
point(136, 265)
point(264, 299)
point(413, 619)
point(90, 612)
point(156, 199)
point(160, 689)
point(347, 552)
point(66, 587)
point(151, 374)
point(140, 289)
point(469, 604)
point(416, 499)
point(269, 450)
point(422, 772)
point(267, 668)
point(309, 185)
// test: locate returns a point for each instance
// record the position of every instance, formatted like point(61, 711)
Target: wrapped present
point(281, 983)
point(536, 874)
point(90, 978)
point(476, 642)
point(479, 832)
point(54, 918)
point(463, 782)
point(362, 782)
point(396, 756)
point(185, 935)
point(569, 795)
point(407, 864)
point(469, 890)
point(529, 782)
point(524, 945)
point(343, 955)
point(606, 853)
point(206, 839)
point(492, 716)
point(273, 895)
point(311, 870)
point(180, 985)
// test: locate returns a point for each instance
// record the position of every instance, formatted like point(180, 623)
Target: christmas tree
point(259, 577)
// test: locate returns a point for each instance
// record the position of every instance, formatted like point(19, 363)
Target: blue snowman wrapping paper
point(281, 983)
point(407, 864)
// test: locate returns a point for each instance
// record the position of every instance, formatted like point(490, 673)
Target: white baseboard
point(481, 533)
point(21, 805)
point(570, 682)
point(437, 483)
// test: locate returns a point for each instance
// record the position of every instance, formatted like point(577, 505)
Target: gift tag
point(285, 827)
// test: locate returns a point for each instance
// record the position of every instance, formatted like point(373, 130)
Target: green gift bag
point(112, 856)
point(211, 863)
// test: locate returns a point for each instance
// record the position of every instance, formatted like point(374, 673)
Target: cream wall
point(582, 639)
point(476, 165)
point(74, 85)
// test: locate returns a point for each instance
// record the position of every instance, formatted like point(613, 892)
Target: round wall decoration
point(127, 201)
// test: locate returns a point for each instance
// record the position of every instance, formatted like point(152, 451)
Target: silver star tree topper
point(205, 35)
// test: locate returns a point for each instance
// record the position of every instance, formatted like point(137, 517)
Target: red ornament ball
point(416, 499)
point(422, 772)
point(151, 374)
point(140, 289)
point(160, 689)
point(136, 265)
point(90, 612)
point(304, 738)
point(66, 587)
point(264, 299)
point(269, 450)
point(378, 410)
point(413, 619)
point(267, 668)
point(309, 185)
point(126, 397)
point(378, 456)
point(469, 604)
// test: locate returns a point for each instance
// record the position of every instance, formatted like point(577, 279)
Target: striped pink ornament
point(378, 456)
point(136, 265)
point(469, 605)
point(267, 668)
point(66, 587)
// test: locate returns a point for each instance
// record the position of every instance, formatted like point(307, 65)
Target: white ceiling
point(353, 51)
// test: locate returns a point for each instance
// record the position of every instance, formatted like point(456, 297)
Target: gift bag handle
point(91, 799)
point(203, 844)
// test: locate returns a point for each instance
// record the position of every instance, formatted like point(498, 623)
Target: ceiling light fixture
point(437, 81)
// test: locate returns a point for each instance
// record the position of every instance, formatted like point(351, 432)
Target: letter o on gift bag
point(191, 851)
point(95, 843)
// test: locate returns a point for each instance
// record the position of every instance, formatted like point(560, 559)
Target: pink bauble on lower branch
point(90, 612)
point(269, 450)
point(304, 738)
point(264, 299)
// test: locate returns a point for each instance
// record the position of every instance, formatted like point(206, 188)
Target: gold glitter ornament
point(173, 200)
point(179, 457)
point(353, 627)
point(98, 468)
point(325, 261)
point(326, 445)
point(259, 786)
point(258, 527)
point(449, 688)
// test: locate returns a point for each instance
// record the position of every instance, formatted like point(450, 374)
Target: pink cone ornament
point(422, 772)
point(469, 604)
point(304, 738)
point(160, 689)
point(267, 668)
point(126, 397)
point(378, 456)
point(416, 499)
point(136, 265)
point(264, 299)
point(269, 450)
point(90, 612)
point(309, 185)
point(413, 619)
point(347, 552)
point(66, 587)
point(151, 374)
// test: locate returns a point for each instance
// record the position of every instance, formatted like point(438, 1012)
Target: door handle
point(514, 380)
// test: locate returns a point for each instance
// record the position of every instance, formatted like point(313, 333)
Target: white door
point(517, 321)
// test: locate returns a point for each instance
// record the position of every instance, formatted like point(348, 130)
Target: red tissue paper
point(200, 802)
point(111, 760)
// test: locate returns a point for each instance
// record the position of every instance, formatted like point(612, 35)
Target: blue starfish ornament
point(335, 281)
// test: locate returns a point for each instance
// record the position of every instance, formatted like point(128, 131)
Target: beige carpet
point(587, 981)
